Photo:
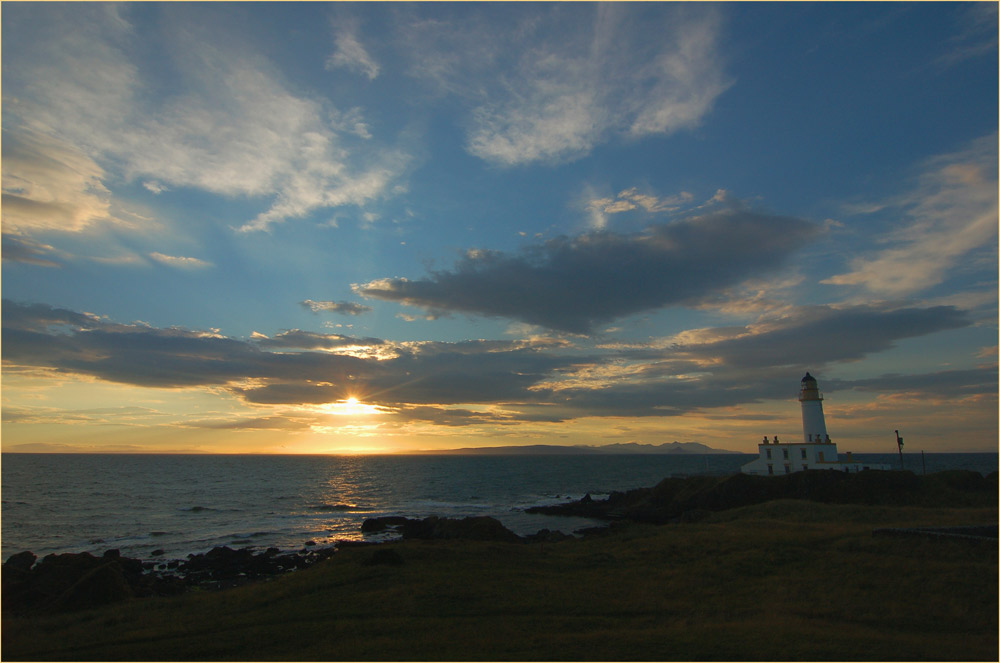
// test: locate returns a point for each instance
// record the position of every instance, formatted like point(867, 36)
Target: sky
point(386, 227)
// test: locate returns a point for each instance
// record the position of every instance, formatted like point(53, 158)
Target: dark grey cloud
point(458, 377)
point(17, 248)
point(43, 336)
point(537, 380)
point(347, 308)
point(573, 284)
point(452, 417)
point(25, 316)
point(497, 371)
point(815, 335)
point(442, 373)
point(766, 361)
point(304, 391)
point(960, 382)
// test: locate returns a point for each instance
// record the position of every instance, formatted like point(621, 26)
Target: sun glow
point(350, 407)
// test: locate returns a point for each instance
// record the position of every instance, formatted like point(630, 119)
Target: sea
point(161, 507)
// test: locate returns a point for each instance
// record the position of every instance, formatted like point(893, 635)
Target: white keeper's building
point(814, 452)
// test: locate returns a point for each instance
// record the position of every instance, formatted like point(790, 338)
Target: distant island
point(674, 448)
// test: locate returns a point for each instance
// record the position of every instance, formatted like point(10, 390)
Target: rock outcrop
point(691, 498)
point(75, 581)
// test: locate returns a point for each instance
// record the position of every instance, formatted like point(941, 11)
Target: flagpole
point(899, 443)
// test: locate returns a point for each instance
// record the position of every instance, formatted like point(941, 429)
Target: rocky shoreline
point(74, 581)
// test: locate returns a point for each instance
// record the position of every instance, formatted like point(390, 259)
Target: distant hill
point(585, 449)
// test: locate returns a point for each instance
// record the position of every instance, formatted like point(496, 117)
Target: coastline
point(141, 504)
point(33, 586)
point(777, 580)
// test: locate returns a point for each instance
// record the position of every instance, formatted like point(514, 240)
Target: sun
point(350, 406)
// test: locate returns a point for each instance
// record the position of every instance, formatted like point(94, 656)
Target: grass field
point(777, 581)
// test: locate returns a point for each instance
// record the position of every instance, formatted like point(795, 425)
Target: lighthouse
point(815, 452)
point(813, 422)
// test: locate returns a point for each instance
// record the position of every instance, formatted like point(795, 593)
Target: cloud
point(573, 284)
point(46, 447)
point(108, 416)
point(90, 109)
point(296, 338)
point(976, 35)
point(550, 85)
point(440, 416)
point(474, 382)
point(38, 317)
point(180, 262)
point(24, 249)
point(347, 308)
point(822, 334)
point(942, 384)
point(50, 185)
point(725, 367)
point(422, 373)
point(250, 423)
point(351, 55)
point(629, 200)
point(951, 224)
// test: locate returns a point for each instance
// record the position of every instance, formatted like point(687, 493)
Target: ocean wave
point(476, 507)
point(333, 507)
point(295, 507)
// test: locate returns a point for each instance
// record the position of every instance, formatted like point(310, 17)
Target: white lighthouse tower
point(813, 422)
point(814, 452)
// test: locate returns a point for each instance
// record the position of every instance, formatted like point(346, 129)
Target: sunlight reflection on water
point(182, 504)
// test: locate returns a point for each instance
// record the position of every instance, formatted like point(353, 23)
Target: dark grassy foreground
point(781, 580)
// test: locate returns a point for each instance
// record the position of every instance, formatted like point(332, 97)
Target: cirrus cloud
point(232, 126)
point(565, 80)
point(351, 54)
point(949, 221)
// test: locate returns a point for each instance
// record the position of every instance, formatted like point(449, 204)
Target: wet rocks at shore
point(72, 581)
point(228, 566)
point(75, 581)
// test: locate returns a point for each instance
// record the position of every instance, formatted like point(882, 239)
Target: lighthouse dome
point(808, 378)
